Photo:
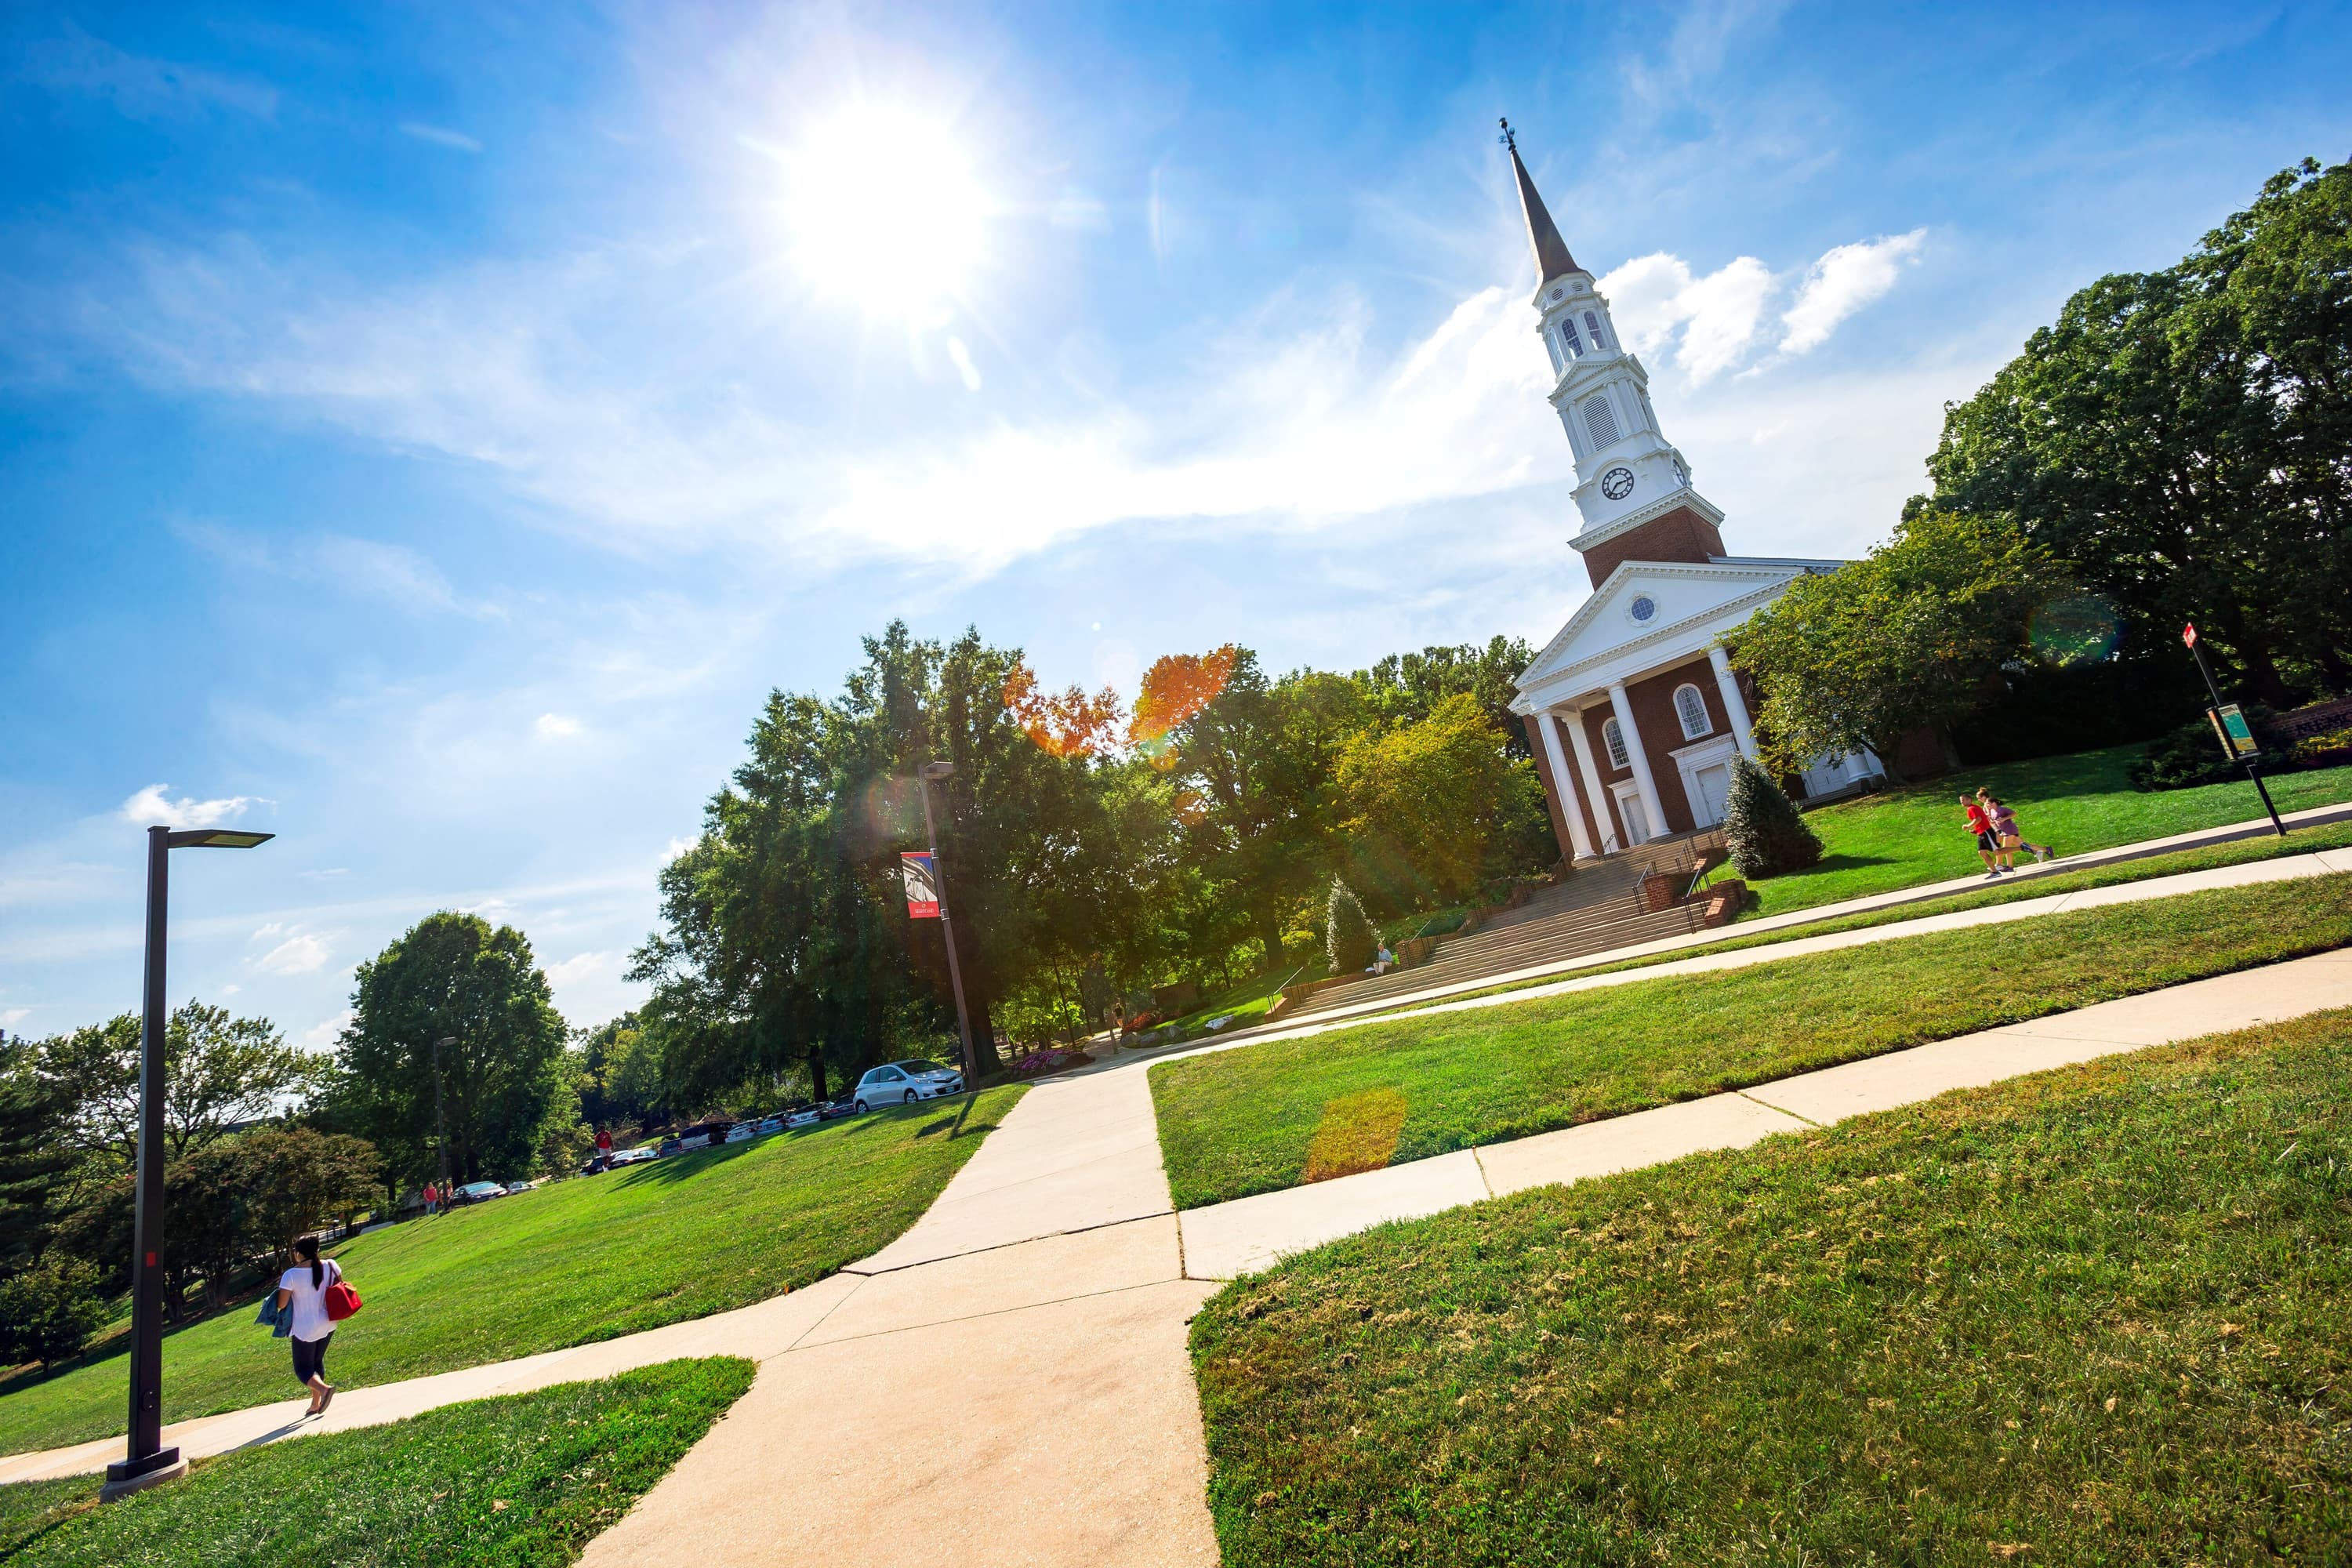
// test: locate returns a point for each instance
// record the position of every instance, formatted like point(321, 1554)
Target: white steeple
point(1627, 472)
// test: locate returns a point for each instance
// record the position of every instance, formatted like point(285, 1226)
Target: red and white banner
point(922, 885)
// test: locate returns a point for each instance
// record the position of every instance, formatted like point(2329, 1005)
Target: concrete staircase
point(1597, 907)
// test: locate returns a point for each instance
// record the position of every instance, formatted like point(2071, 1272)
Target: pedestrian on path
point(1980, 823)
point(2005, 833)
point(302, 1291)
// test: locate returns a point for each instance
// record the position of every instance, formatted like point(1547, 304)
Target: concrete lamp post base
point(127, 1475)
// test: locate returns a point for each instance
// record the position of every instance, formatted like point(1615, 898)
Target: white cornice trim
point(1775, 577)
point(1650, 512)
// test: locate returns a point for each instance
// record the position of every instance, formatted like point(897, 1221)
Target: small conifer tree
point(1350, 938)
point(1765, 832)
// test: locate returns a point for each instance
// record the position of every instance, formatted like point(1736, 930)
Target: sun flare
point(885, 208)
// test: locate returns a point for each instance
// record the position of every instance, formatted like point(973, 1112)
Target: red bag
point(341, 1301)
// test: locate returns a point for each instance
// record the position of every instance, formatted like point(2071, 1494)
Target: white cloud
point(440, 136)
point(579, 967)
point(12, 1016)
point(1704, 325)
point(675, 847)
point(322, 1035)
point(231, 989)
point(556, 727)
point(964, 367)
point(140, 87)
point(306, 952)
point(1842, 282)
point(155, 804)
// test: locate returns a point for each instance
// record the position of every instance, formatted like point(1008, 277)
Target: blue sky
point(427, 434)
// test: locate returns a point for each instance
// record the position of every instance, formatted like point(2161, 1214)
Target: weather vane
point(1507, 139)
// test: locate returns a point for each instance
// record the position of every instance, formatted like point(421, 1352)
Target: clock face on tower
point(1617, 483)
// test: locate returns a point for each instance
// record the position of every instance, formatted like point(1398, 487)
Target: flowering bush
point(1048, 1059)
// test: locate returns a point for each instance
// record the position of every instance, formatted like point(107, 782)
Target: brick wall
point(1681, 535)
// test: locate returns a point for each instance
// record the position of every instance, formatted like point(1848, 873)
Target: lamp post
point(148, 1460)
point(931, 773)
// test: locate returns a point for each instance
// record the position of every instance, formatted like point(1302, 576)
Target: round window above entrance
point(1644, 609)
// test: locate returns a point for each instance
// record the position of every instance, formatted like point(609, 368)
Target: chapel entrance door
point(1630, 811)
point(1712, 792)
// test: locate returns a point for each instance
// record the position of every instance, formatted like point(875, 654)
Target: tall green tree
point(1907, 638)
point(34, 1155)
point(220, 1072)
point(455, 976)
point(1406, 688)
point(2183, 438)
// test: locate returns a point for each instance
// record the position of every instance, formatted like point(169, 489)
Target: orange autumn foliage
point(1066, 723)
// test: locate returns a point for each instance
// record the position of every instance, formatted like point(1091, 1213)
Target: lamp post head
point(215, 838)
point(935, 770)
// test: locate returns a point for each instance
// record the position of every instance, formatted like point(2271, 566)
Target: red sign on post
point(2188, 634)
point(922, 885)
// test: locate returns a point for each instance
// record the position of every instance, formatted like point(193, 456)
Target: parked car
point(903, 1083)
point(833, 1110)
point(633, 1156)
point(477, 1193)
point(514, 1187)
point(668, 1146)
point(768, 1124)
point(805, 1115)
point(741, 1132)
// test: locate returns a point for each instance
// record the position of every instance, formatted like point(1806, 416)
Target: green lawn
point(2006, 891)
point(1268, 1116)
point(2099, 1316)
point(526, 1478)
point(579, 1260)
point(1879, 843)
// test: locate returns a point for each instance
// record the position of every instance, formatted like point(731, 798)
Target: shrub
point(1765, 832)
point(1350, 938)
point(2188, 756)
point(48, 1311)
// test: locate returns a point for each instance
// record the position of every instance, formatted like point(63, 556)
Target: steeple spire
point(1552, 259)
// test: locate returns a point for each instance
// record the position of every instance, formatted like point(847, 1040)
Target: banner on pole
point(922, 885)
point(2237, 735)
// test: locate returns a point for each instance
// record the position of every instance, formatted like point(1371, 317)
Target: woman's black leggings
point(310, 1358)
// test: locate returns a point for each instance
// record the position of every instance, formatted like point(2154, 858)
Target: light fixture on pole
point(931, 774)
point(148, 1460)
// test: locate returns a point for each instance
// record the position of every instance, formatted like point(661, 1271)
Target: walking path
point(1008, 1381)
point(2200, 839)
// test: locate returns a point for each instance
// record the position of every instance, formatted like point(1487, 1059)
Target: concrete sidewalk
point(1006, 1382)
point(2203, 837)
point(1224, 1240)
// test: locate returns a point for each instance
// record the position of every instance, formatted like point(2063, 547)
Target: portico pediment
point(1649, 613)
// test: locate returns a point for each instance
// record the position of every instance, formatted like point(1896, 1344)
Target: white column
point(1639, 756)
point(1591, 777)
point(1565, 787)
point(1733, 702)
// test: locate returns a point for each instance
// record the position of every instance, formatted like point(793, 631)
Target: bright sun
point(884, 208)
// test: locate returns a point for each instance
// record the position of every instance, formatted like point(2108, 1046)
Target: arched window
point(1593, 325)
point(1568, 337)
point(1600, 421)
point(1691, 709)
point(1614, 739)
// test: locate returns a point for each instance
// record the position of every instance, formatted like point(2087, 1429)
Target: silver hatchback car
point(903, 1083)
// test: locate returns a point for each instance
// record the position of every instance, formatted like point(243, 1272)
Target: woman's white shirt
point(310, 1301)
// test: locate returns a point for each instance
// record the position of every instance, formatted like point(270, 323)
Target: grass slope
point(1256, 1118)
point(1901, 838)
point(526, 1478)
point(2006, 890)
point(2097, 1316)
point(570, 1263)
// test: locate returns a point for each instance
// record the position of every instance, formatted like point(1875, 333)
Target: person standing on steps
point(1979, 822)
point(302, 1289)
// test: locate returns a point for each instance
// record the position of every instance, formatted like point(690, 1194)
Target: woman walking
point(2005, 833)
point(302, 1289)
